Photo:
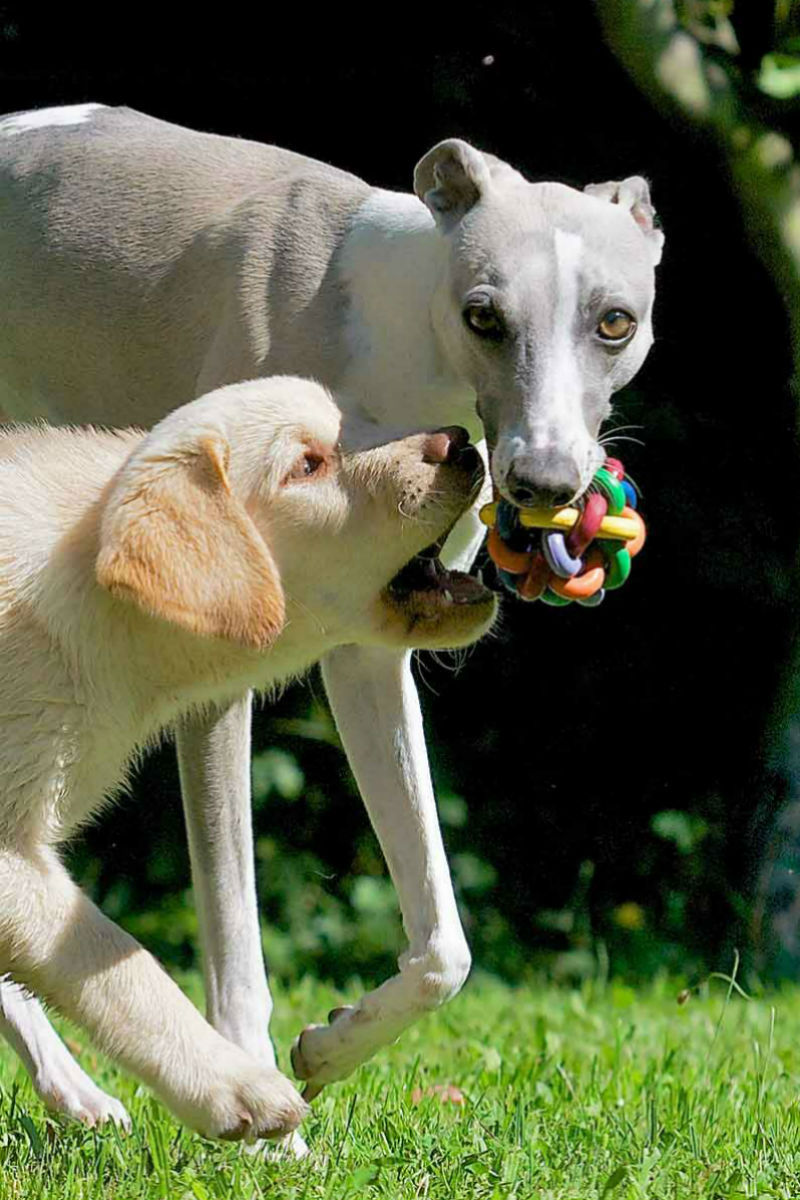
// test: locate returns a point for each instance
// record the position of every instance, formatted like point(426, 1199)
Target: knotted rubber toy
point(580, 553)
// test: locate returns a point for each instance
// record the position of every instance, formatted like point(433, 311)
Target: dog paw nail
point(299, 1065)
point(335, 1013)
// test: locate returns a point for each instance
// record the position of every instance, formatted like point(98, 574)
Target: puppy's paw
point(258, 1102)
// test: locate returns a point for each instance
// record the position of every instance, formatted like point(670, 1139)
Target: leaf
point(614, 1180)
point(33, 1134)
point(683, 829)
point(276, 771)
point(779, 76)
point(363, 1176)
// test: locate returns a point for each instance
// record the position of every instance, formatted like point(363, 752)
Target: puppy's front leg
point(59, 1081)
point(377, 712)
point(54, 941)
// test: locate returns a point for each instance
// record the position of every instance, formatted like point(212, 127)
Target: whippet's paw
point(77, 1098)
point(320, 1055)
point(291, 1148)
point(258, 1102)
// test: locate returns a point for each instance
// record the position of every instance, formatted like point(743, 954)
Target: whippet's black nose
point(542, 489)
point(445, 445)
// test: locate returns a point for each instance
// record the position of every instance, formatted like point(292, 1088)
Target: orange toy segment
point(580, 587)
point(508, 560)
point(635, 544)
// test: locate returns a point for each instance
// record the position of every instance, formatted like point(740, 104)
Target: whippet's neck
point(391, 262)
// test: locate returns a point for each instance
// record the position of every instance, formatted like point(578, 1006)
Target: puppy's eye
point(308, 464)
point(485, 321)
point(616, 326)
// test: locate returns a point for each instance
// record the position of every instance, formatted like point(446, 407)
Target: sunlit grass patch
point(536, 1092)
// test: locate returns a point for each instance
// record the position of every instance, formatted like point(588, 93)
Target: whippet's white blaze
point(199, 260)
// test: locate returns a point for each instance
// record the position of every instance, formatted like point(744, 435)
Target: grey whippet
point(141, 265)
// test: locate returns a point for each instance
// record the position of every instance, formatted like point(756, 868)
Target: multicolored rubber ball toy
point(561, 555)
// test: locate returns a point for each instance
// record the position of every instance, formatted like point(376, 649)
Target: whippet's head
point(544, 309)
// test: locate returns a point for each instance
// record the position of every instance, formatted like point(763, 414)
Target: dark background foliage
point(603, 776)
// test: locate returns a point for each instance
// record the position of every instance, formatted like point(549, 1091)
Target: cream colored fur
point(144, 578)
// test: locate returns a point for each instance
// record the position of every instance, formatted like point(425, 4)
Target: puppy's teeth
point(479, 575)
point(448, 596)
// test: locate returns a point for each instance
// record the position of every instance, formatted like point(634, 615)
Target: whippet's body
point(142, 264)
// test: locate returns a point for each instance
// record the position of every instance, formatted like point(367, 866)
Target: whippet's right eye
point(616, 326)
point(484, 320)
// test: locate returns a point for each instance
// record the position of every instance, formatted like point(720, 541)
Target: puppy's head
point(240, 514)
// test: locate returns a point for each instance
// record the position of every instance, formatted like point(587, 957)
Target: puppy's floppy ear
point(177, 543)
point(633, 194)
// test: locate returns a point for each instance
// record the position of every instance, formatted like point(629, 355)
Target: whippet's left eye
point(485, 321)
point(616, 326)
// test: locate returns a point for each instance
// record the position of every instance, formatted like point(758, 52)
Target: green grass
point(600, 1092)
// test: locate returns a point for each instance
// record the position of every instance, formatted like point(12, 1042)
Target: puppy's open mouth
point(426, 583)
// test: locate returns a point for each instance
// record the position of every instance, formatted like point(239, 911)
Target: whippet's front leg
point(214, 760)
point(60, 1083)
point(377, 712)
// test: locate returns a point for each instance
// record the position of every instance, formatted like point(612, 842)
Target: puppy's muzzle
point(451, 445)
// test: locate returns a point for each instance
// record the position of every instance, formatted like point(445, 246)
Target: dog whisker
point(321, 626)
point(421, 670)
point(612, 441)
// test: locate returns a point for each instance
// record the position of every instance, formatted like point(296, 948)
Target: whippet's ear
point(450, 179)
point(634, 195)
point(178, 544)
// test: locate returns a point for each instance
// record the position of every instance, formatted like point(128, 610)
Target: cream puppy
point(143, 577)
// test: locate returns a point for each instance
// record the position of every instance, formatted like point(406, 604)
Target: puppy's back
point(49, 479)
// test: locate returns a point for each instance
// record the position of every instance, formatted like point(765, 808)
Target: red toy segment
point(585, 529)
point(535, 582)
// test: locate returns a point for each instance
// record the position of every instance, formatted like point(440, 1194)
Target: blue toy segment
point(630, 494)
point(507, 522)
point(516, 536)
point(508, 581)
point(592, 601)
point(559, 559)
